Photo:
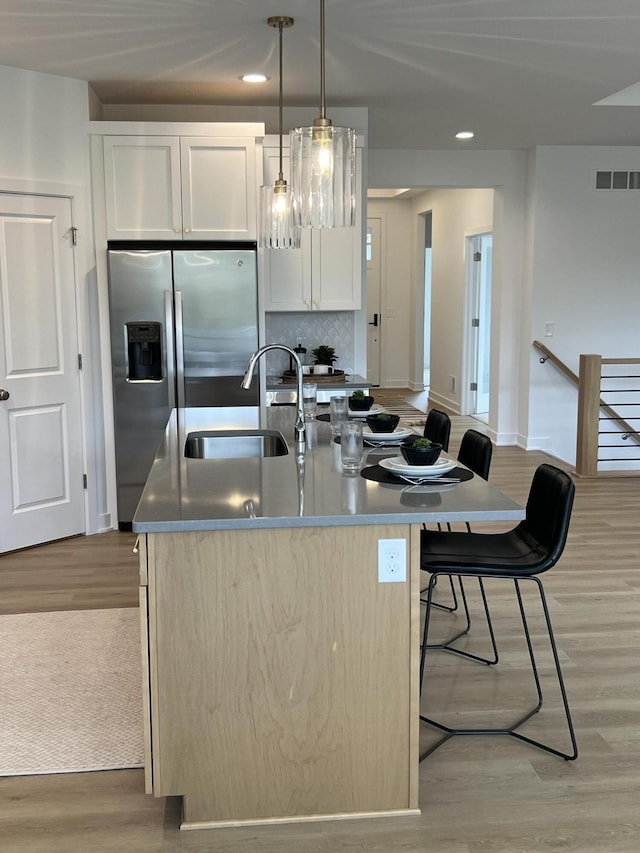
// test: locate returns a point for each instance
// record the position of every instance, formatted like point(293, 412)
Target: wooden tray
point(336, 376)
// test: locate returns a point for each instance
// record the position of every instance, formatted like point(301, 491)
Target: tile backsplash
point(332, 328)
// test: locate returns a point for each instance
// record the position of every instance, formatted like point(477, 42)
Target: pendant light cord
point(323, 110)
point(280, 172)
point(281, 22)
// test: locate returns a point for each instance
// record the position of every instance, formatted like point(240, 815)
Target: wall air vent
point(617, 180)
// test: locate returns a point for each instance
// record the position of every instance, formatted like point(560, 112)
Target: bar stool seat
point(520, 554)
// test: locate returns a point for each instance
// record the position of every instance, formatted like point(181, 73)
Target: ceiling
point(517, 72)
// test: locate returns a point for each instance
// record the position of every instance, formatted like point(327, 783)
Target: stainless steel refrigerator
point(183, 325)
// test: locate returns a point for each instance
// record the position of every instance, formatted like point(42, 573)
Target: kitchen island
point(281, 675)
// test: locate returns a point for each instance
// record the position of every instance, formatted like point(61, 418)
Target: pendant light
point(277, 228)
point(323, 174)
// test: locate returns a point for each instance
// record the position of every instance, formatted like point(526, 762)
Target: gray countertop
point(349, 380)
point(216, 494)
point(280, 392)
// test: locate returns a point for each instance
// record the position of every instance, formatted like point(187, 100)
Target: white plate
point(374, 410)
point(397, 465)
point(398, 434)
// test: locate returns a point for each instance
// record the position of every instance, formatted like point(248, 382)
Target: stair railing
point(607, 442)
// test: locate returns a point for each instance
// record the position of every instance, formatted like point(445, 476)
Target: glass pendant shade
point(277, 229)
point(323, 176)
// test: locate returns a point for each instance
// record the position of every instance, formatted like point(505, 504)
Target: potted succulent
point(383, 422)
point(359, 401)
point(323, 357)
point(420, 451)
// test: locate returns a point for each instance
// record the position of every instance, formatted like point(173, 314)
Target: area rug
point(392, 402)
point(70, 692)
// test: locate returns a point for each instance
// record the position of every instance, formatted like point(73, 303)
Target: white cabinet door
point(325, 274)
point(219, 188)
point(288, 277)
point(142, 187)
point(287, 272)
point(336, 270)
point(41, 487)
point(172, 188)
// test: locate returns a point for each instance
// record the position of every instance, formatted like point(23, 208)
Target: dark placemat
point(382, 475)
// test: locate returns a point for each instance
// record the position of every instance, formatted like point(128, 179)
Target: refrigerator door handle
point(170, 349)
point(179, 350)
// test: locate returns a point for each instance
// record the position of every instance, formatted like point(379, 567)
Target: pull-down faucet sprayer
point(299, 427)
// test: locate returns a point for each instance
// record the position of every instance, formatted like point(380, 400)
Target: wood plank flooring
point(478, 795)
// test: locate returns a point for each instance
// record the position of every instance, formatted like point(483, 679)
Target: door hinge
point(473, 386)
point(477, 256)
point(74, 235)
point(475, 323)
point(84, 481)
point(79, 361)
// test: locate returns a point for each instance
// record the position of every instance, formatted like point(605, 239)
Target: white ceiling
point(517, 72)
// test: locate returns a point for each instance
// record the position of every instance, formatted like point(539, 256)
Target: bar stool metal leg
point(450, 732)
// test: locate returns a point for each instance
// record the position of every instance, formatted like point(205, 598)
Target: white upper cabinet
point(180, 188)
point(219, 188)
point(325, 274)
point(142, 187)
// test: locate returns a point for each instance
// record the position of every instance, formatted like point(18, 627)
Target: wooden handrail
point(558, 363)
point(625, 425)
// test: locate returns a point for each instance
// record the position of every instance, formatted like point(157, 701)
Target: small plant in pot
point(383, 422)
point(324, 355)
point(420, 451)
point(360, 402)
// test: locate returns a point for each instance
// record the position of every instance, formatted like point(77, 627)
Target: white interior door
point(374, 328)
point(41, 487)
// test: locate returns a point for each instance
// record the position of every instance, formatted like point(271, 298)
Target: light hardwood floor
point(477, 794)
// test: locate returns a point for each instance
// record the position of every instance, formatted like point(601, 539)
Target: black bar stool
point(475, 453)
point(521, 554)
point(437, 428)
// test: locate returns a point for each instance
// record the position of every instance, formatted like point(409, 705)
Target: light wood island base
point(282, 676)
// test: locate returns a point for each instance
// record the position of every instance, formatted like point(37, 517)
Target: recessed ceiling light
point(465, 134)
point(254, 78)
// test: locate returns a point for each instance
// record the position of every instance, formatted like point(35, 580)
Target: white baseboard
point(440, 402)
point(102, 524)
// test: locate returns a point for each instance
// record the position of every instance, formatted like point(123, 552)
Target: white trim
point(89, 403)
point(173, 128)
point(104, 332)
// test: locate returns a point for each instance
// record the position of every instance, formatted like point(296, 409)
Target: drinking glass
point(351, 448)
point(337, 413)
point(309, 399)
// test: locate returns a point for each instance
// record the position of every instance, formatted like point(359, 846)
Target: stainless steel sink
point(235, 444)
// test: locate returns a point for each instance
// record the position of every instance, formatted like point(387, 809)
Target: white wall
point(42, 119)
point(455, 215)
point(585, 279)
point(44, 149)
point(503, 171)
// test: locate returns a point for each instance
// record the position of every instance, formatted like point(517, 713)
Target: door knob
point(4, 395)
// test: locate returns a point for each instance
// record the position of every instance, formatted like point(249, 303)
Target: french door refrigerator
point(183, 325)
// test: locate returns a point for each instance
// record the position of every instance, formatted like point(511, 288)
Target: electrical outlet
point(392, 560)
